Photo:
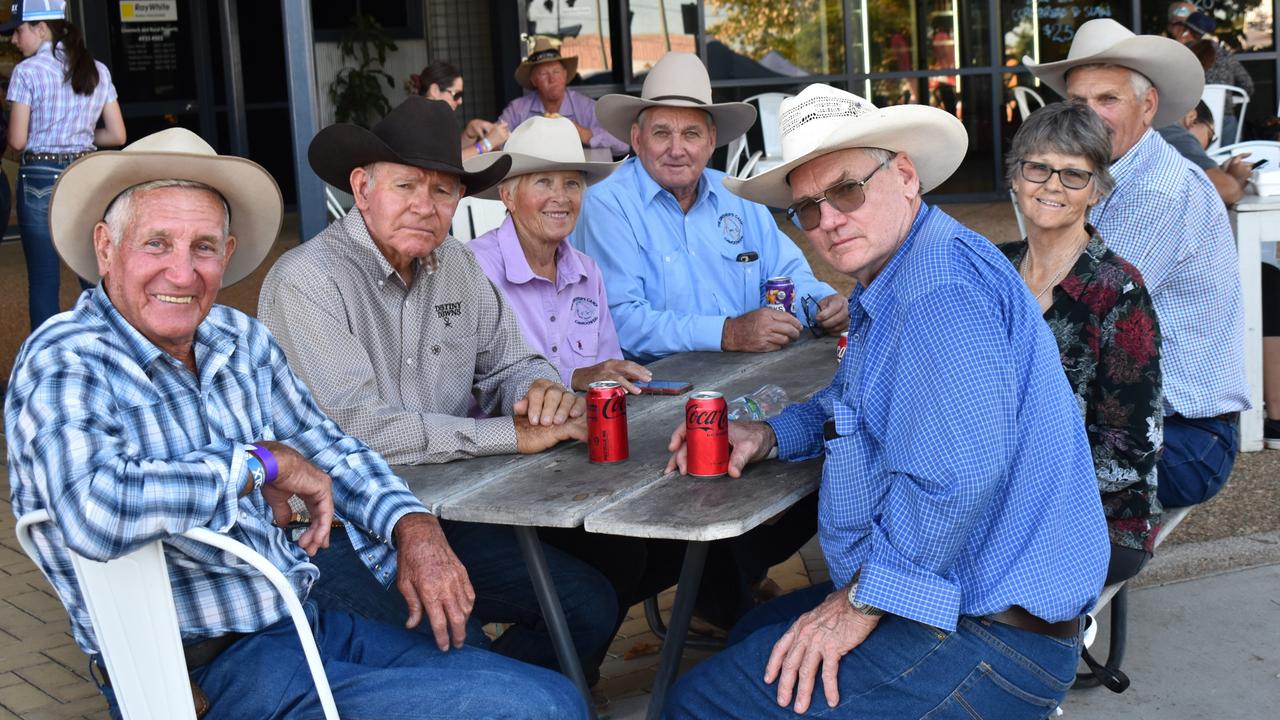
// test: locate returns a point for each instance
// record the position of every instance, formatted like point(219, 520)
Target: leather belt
point(198, 654)
point(1023, 620)
point(1224, 417)
point(53, 157)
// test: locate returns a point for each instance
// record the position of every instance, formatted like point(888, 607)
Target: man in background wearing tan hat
point(544, 74)
point(148, 410)
point(959, 512)
point(684, 262)
point(1166, 218)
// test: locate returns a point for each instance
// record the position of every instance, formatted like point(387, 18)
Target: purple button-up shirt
point(567, 322)
point(575, 106)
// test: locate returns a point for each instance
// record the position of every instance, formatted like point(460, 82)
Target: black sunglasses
point(845, 196)
point(811, 317)
point(1039, 173)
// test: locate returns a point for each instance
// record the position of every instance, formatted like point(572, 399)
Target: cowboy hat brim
point(522, 164)
point(935, 141)
point(85, 189)
point(1172, 69)
point(616, 113)
point(338, 149)
point(525, 69)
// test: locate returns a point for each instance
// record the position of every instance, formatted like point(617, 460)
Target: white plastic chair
point(335, 207)
point(475, 217)
point(1025, 97)
point(769, 105)
point(1017, 214)
point(1257, 149)
point(1224, 100)
point(131, 608)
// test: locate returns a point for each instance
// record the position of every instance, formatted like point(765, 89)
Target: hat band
point(543, 55)
point(686, 98)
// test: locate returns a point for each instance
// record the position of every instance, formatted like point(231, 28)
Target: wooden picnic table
point(561, 488)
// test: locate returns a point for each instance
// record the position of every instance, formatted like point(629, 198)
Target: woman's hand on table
point(622, 371)
point(748, 442)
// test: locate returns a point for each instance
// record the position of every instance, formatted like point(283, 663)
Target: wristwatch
point(861, 607)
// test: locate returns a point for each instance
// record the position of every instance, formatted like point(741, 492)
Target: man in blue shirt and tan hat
point(959, 511)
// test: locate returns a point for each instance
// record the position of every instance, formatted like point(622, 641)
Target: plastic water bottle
point(765, 402)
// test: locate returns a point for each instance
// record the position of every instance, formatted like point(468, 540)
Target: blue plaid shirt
point(1165, 217)
point(958, 478)
point(123, 446)
point(61, 120)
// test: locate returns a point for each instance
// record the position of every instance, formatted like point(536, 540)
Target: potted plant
point(356, 91)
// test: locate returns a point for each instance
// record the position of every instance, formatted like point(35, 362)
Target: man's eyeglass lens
point(845, 197)
point(1069, 177)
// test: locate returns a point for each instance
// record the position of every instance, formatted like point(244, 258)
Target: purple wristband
point(268, 461)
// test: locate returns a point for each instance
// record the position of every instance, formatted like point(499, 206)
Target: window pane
point(930, 35)
point(659, 26)
point(1242, 25)
point(747, 38)
point(1044, 29)
point(584, 30)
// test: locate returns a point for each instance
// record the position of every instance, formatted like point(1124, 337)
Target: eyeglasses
point(1213, 134)
point(456, 94)
point(1040, 173)
point(846, 197)
point(811, 317)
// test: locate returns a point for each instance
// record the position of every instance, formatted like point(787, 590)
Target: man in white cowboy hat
point(1166, 218)
point(396, 329)
point(684, 261)
point(544, 74)
point(148, 410)
point(957, 472)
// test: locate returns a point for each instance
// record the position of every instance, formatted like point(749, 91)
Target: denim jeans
point(1196, 461)
point(904, 669)
point(376, 672)
point(35, 185)
point(504, 593)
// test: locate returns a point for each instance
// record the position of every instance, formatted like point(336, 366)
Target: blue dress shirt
point(958, 479)
point(673, 278)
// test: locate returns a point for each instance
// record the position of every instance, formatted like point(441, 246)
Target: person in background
point(1191, 136)
point(442, 80)
point(1195, 30)
point(1095, 304)
point(56, 96)
point(544, 74)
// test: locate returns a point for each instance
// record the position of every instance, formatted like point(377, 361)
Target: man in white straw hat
point(957, 470)
point(398, 333)
point(148, 410)
point(1166, 218)
point(684, 261)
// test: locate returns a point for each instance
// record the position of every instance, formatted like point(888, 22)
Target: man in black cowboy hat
point(395, 328)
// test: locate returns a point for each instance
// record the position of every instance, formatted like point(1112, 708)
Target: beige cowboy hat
point(544, 50)
point(823, 119)
point(679, 79)
point(1172, 68)
point(541, 144)
point(87, 187)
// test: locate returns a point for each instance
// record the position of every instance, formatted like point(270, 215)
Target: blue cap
point(33, 11)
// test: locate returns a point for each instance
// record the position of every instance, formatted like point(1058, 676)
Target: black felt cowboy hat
point(419, 132)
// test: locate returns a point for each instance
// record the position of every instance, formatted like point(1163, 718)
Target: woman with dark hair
point(442, 80)
point(1100, 314)
point(56, 95)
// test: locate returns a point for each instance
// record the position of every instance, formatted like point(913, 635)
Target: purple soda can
point(780, 294)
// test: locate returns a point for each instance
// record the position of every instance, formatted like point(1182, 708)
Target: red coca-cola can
point(706, 425)
point(606, 422)
point(842, 345)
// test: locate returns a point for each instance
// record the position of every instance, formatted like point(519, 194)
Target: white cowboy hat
point(87, 187)
point(541, 144)
point(543, 51)
point(679, 79)
point(1171, 67)
point(823, 119)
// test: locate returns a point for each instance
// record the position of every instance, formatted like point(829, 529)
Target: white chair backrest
point(1028, 100)
point(1017, 214)
point(735, 152)
point(475, 217)
point(130, 604)
point(336, 202)
point(1257, 149)
point(769, 106)
point(1224, 100)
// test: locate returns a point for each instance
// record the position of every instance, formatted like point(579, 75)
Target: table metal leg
point(552, 612)
point(695, 558)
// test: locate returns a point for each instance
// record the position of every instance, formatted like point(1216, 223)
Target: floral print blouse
point(1109, 340)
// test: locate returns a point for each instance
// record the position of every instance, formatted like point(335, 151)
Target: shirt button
point(435, 349)
point(408, 361)
point(555, 349)
point(553, 318)
point(381, 283)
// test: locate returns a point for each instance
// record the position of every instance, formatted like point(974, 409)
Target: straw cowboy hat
point(541, 145)
point(1172, 68)
point(823, 119)
point(677, 80)
point(543, 51)
point(87, 187)
point(418, 132)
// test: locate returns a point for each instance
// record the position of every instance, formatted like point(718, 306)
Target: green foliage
point(356, 91)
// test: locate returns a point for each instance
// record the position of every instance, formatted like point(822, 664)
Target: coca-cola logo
point(615, 406)
point(695, 416)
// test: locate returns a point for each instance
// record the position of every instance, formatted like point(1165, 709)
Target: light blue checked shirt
point(61, 120)
point(1165, 217)
point(960, 480)
point(673, 279)
point(123, 446)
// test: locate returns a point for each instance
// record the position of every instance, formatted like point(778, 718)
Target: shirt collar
point(874, 297)
point(650, 189)
point(376, 263)
point(212, 345)
point(569, 268)
point(1121, 167)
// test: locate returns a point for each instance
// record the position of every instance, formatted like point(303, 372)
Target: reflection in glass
point(659, 26)
point(1242, 25)
point(583, 27)
point(800, 38)
point(1044, 29)
point(892, 36)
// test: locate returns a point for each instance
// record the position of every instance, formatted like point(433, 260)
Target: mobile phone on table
point(1259, 164)
point(663, 387)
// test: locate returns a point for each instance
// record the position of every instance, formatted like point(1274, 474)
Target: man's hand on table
point(532, 438)
point(297, 476)
point(1238, 167)
point(623, 371)
point(549, 403)
point(761, 330)
point(833, 314)
point(748, 442)
point(432, 579)
point(819, 637)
